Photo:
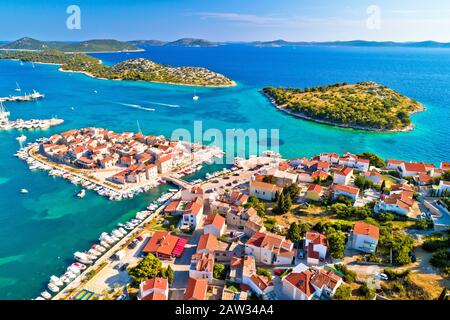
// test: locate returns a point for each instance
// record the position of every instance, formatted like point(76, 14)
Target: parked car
point(139, 238)
point(122, 297)
point(278, 272)
point(124, 267)
point(132, 245)
point(381, 276)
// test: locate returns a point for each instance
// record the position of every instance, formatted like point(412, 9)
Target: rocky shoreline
point(283, 108)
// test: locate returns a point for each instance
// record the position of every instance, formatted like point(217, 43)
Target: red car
point(278, 272)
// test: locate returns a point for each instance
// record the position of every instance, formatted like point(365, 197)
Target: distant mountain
point(147, 42)
point(83, 46)
point(191, 42)
point(353, 43)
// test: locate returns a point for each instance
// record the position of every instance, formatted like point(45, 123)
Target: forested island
point(99, 45)
point(365, 105)
point(139, 69)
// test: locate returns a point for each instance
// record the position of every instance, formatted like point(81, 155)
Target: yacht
point(78, 265)
point(46, 295)
point(123, 231)
point(104, 244)
point(18, 89)
point(53, 288)
point(73, 270)
point(98, 248)
point(94, 252)
point(81, 194)
point(56, 281)
point(117, 233)
point(64, 278)
point(82, 257)
point(70, 275)
point(36, 95)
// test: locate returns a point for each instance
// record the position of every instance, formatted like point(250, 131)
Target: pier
point(24, 98)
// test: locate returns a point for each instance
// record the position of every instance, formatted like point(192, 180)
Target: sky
point(228, 20)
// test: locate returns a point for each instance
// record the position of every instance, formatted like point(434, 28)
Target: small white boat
point(92, 257)
point(18, 89)
point(53, 288)
point(117, 233)
point(94, 252)
point(24, 191)
point(21, 138)
point(79, 266)
point(104, 244)
point(39, 298)
point(81, 194)
point(99, 248)
point(56, 281)
point(70, 276)
point(82, 257)
point(123, 231)
point(73, 270)
point(64, 278)
point(46, 295)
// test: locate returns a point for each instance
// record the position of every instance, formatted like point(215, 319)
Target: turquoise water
point(40, 231)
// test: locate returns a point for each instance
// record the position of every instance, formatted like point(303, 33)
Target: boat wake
point(165, 104)
point(136, 106)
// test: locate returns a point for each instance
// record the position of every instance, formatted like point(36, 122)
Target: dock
point(24, 98)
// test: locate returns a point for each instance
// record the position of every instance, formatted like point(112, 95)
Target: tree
point(170, 274)
point(375, 160)
point(294, 232)
point(149, 267)
point(219, 271)
point(369, 293)
point(343, 292)
point(264, 272)
point(383, 186)
point(336, 243)
point(293, 190)
point(402, 245)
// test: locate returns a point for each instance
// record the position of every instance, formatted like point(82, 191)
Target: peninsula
point(364, 106)
point(139, 69)
point(98, 45)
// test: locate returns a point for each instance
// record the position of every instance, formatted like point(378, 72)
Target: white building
point(263, 190)
point(364, 237)
point(343, 177)
point(270, 249)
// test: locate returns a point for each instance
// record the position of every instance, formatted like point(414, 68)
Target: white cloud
point(239, 17)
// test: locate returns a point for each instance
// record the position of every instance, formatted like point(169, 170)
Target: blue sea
point(40, 231)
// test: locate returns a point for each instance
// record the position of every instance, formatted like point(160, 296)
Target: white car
point(381, 276)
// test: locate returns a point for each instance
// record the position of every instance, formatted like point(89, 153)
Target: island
point(364, 106)
point(352, 43)
point(138, 69)
point(184, 42)
point(99, 45)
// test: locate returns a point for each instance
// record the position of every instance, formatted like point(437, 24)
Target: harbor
point(20, 124)
point(88, 263)
point(35, 95)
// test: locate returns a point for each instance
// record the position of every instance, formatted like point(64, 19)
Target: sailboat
point(4, 114)
point(195, 97)
point(17, 87)
point(139, 127)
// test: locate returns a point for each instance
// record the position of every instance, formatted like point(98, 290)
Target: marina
point(20, 124)
point(35, 95)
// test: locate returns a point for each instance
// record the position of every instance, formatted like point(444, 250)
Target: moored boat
point(53, 288)
point(82, 257)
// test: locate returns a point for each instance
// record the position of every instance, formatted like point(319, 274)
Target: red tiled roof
point(364, 228)
point(346, 189)
point(216, 220)
point(315, 187)
point(162, 242)
point(302, 282)
point(316, 237)
point(196, 289)
point(208, 242)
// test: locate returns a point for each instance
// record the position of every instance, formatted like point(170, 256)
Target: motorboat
point(123, 231)
point(56, 281)
point(79, 266)
point(24, 191)
point(70, 275)
point(73, 270)
point(104, 244)
point(53, 288)
point(94, 252)
point(81, 194)
point(99, 248)
point(39, 298)
point(46, 295)
point(117, 233)
point(64, 278)
point(82, 257)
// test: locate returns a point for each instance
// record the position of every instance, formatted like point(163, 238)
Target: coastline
point(233, 83)
point(74, 52)
point(282, 108)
